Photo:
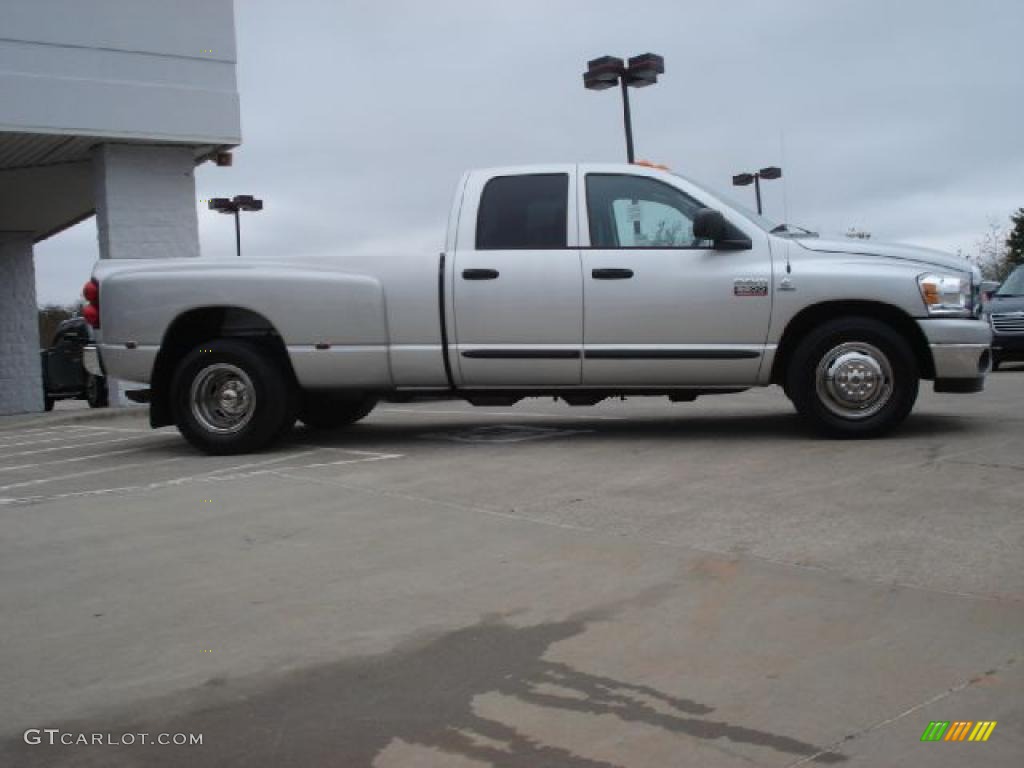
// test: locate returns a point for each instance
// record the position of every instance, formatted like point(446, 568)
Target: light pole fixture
point(609, 71)
point(234, 205)
point(745, 179)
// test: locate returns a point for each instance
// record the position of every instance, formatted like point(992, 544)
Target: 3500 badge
point(750, 286)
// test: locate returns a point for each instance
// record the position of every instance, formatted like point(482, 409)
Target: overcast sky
point(902, 118)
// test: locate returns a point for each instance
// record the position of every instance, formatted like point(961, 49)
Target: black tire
point(96, 391)
point(880, 368)
point(996, 362)
point(48, 403)
point(322, 410)
point(261, 406)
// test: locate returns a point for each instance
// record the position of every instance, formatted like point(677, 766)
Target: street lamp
point(744, 180)
point(607, 71)
point(235, 205)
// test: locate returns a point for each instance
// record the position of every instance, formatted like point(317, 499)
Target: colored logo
point(958, 730)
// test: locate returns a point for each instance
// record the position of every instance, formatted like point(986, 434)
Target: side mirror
point(709, 224)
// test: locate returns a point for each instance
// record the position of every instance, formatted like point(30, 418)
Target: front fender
point(819, 278)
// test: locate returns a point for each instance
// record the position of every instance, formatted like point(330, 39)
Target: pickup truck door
point(660, 307)
point(517, 285)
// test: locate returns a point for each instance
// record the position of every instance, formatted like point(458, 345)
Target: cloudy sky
point(902, 118)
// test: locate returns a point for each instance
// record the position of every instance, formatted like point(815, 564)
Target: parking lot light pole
point(235, 206)
point(745, 179)
point(627, 121)
point(608, 71)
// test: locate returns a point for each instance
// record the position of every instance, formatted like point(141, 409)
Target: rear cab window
point(529, 211)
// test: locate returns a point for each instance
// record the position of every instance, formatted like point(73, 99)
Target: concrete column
point(145, 201)
point(145, 209)
point(21, 375)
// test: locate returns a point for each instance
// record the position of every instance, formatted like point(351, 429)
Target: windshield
point(1014, 284)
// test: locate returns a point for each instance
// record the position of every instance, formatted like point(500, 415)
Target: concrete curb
point(21, 420)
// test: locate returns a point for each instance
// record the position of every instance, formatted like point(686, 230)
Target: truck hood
point(924, 256)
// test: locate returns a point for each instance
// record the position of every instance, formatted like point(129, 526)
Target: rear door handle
point(479, 274)
point(612, 274)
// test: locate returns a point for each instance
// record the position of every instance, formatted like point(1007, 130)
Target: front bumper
point(91, 360)
point(961, 361)
point(961, 353)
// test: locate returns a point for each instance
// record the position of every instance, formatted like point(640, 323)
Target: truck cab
point(594, 276)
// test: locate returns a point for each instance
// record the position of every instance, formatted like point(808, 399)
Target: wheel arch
point(810, 317)
point(195, 326)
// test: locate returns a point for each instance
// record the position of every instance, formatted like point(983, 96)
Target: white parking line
point(68, 447)
point(502, 433)
point(211, 474)
point(64, 437)
point(68, 461)
point(378, 457)
point(7, 437)
point(214, 475)
point(101, 470)
point(477, 412)
point(111, 429)
point(35, 431)
point(263, 463)
point(313, 446)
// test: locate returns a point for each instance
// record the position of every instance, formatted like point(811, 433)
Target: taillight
point(91, 310)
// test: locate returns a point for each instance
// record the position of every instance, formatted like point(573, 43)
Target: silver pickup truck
point(575, 281)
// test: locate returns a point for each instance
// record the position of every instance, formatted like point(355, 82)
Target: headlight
point(946, 295)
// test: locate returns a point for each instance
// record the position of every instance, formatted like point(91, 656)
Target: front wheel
point(232, 396)
point(853, 377)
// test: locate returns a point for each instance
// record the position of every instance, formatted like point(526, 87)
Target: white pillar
point(21, 374)
point(145, 209)
point(145, 201)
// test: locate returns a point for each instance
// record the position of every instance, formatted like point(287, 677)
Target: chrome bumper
point(91, 360)
point(961, 361)
point(961, 352)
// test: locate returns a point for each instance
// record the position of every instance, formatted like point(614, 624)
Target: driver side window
point(639, 212)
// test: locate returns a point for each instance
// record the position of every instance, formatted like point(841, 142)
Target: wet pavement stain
point(346, 713)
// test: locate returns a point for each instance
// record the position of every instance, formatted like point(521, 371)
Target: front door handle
point(612, 274)
point(479, 274)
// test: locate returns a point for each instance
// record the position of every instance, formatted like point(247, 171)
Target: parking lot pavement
point(635, 584)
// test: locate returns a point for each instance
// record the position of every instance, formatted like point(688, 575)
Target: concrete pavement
point(635, 584)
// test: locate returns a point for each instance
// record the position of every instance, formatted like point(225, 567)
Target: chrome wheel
point(222, 398)
point(854, 380)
